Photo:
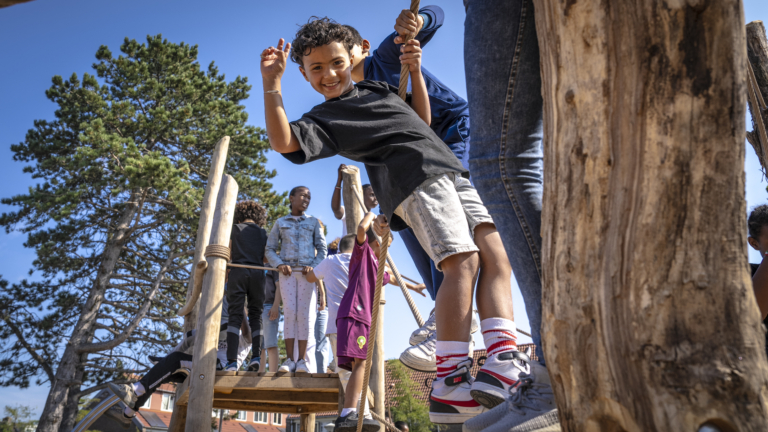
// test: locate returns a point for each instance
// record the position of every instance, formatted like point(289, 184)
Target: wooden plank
point(277, 383)
point(307, 423)
point(272, 396)
point(273, 408)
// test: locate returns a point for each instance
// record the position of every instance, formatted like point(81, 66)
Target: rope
point(255, 267)
point(220, 251)
point(386, 422)
point(403, 88)
point(398, 277)
point(383, 247)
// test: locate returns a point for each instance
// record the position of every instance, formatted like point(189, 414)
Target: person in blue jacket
point(450, 121)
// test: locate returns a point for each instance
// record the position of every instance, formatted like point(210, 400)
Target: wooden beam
point(204, 366)
point(218, 161)
point(273, 407)
point(307, 423)
point(757, 54)
point(275, 384)
point(279, 396)
point(643, 222)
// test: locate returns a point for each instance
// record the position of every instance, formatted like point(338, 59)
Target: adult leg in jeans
point(429, 274)
point(501, 60)
point(504, 89)
point(322, 349)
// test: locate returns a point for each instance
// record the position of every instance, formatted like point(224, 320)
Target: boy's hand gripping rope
point(403, 87)
point(383, 247)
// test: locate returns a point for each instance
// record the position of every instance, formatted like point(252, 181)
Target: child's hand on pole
point(284, 269)
point(380, 225)
point(411, 55)
point(407, 24)
point(274, 61)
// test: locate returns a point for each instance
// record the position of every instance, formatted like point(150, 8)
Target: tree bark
point(757, 54)
point(204, 352)
point(650, 323)
point(66, 372)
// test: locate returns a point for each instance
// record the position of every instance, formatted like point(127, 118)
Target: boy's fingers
point(288, 48)
point(280, 44)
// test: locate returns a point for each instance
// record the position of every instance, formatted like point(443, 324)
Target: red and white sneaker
point(450, 400)
point(499, 376)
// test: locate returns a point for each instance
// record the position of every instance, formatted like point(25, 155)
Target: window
point(277, 418)
point(260, 417)
point(242, 415)
point(168, 399)
point(147, 403)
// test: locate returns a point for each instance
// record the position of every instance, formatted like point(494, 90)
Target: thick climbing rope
point(757, 105)
point(386, 422)
point(383, 247)
point(398, 277)
point(403, 87)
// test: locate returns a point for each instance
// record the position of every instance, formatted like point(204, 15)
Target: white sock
point(499, 334)
point(138, 389)
point(449, 354)
point(345, 411)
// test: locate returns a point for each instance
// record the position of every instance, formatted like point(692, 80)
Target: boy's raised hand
point(274, 60)
point(407, 24)
point(411, 55)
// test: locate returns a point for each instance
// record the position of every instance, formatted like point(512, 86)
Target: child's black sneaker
point(253, 366)
point(349, 424)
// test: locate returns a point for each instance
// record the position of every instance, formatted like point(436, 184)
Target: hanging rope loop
point(218, 251)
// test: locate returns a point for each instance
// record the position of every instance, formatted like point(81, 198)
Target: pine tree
point(121, 172)
point(405, 405)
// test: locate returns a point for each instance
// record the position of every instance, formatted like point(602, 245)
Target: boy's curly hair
point(250, 210)
point(318, 32)
point(356, 38)
point(757, 220)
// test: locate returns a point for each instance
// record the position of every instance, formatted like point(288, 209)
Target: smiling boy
point(418, 183)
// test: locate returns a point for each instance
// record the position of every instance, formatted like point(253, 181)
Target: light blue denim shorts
point(270, 327)
point(444, 211)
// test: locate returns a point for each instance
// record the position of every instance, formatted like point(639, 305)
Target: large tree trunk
point(70, 362)
point(650, 323)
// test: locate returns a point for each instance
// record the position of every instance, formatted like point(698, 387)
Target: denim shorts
point(443, 212)
point(270, 327)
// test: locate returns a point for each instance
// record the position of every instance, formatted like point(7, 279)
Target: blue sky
point(46, 37)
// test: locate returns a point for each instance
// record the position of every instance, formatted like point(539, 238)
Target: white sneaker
point(450, 401)
point(422, 333)
point(287, 366)
point(301, 366)
point(499, 376)
point(422, 357)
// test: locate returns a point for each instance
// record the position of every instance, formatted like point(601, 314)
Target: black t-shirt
point(372, 125)
point(765, 321)
point(248, 243)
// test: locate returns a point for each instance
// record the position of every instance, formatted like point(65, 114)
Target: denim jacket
point(299, 238)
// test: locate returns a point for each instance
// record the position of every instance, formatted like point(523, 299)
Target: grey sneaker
point(531, 408)
point(422, 357)
point(124, 392)
point(422, 333)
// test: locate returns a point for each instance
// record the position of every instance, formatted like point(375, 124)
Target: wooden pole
point(307, 423)
point(757, 54)
point(649, 319)
point(218, 161)
point(350, 178)
point(204, 353)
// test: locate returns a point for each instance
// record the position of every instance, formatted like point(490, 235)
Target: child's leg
point(237, 290)
point(355, 384)
point(288, 291)
point(272, 352)
point(494, 293)
point(256, 309)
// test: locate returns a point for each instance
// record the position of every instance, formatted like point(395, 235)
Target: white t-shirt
point(344, 225)
point(334, 271)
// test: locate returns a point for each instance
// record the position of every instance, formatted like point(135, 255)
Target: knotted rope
point(383, 247)
point(219, 251)
point(403, 88)
point(386, 422)
point(398, 277)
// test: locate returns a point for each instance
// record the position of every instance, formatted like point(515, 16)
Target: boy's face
point(328, 69)
point(360, 52)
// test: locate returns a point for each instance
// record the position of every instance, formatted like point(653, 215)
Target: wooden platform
point(288, 393)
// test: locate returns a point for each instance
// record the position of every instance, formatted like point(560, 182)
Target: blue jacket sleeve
point(389, 52)
point(320, 246)
point(272, 243)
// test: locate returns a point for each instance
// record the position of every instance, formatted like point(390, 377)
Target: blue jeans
point(501, 63)
point(431, 276)
point(322, 347)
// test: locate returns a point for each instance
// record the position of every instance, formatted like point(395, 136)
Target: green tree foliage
point(121, 171)
point(16, 419)
point(405, 405)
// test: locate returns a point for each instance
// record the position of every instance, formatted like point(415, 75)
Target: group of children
point(414, 152)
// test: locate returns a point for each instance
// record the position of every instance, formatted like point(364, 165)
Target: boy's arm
point(273, 62)
point(760, 286)
point(274, 313)
point(363, 227)
point(419, 96)
point(338, 210)
point(320, 247)
point(311, 276)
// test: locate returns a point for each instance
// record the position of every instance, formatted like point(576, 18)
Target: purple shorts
point(352, 336)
